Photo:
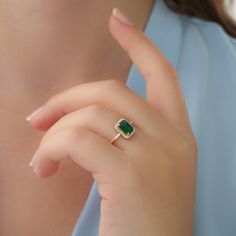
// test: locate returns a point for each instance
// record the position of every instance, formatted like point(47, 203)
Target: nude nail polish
point(122, 17)
point(33, 160)
point(34, 114)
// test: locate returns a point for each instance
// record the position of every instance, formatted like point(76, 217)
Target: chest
point(28, 202)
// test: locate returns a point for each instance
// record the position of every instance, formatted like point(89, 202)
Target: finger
point(86, 148)
point(163, 89)
point(99, 120)
point(112, 94)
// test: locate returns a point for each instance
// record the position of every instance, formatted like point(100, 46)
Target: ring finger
point(84, 136)
point(99, 120)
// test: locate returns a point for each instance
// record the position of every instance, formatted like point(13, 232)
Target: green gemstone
point(125, 128)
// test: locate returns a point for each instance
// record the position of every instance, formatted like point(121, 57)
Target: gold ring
point(124, 129)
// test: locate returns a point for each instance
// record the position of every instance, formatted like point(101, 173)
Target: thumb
point(163, 88)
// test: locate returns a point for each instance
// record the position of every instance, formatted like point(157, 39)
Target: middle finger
point(112, 94)
point(98, 120)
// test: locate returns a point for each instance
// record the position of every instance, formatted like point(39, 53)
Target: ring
point(124, 128)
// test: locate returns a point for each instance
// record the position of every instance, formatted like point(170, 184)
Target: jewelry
point(124, 128)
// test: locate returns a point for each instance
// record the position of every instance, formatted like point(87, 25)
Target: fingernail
point(122, 17)
point(34, 114)
point(33, 160)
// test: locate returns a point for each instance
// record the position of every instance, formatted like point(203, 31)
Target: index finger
point(163, 88)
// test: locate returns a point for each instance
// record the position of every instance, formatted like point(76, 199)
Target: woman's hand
point(147, 183)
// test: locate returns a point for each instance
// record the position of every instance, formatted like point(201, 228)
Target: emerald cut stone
point(125, 128)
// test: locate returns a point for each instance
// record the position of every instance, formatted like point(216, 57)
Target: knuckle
point(46, 146)
point(108, 89)
point(115, 84)
point(95, 110)
point(171, 71)
point(48, 139)
point(188, 148)
point(175, 73)
point(180, 147)
point(78, 133)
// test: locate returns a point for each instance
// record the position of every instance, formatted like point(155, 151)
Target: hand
point(146, 183)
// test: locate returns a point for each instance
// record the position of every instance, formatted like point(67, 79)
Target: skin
point(146, 183)
point(35, 63)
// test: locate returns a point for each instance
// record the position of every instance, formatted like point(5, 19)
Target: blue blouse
point(205, 58)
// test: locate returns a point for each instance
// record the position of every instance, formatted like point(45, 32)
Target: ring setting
point(124, 129)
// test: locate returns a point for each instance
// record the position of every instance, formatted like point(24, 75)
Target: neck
point(67, 42)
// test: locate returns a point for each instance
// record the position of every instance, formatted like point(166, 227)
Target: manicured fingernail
point(33, 160)
point(122, 17)
point(34, 114)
